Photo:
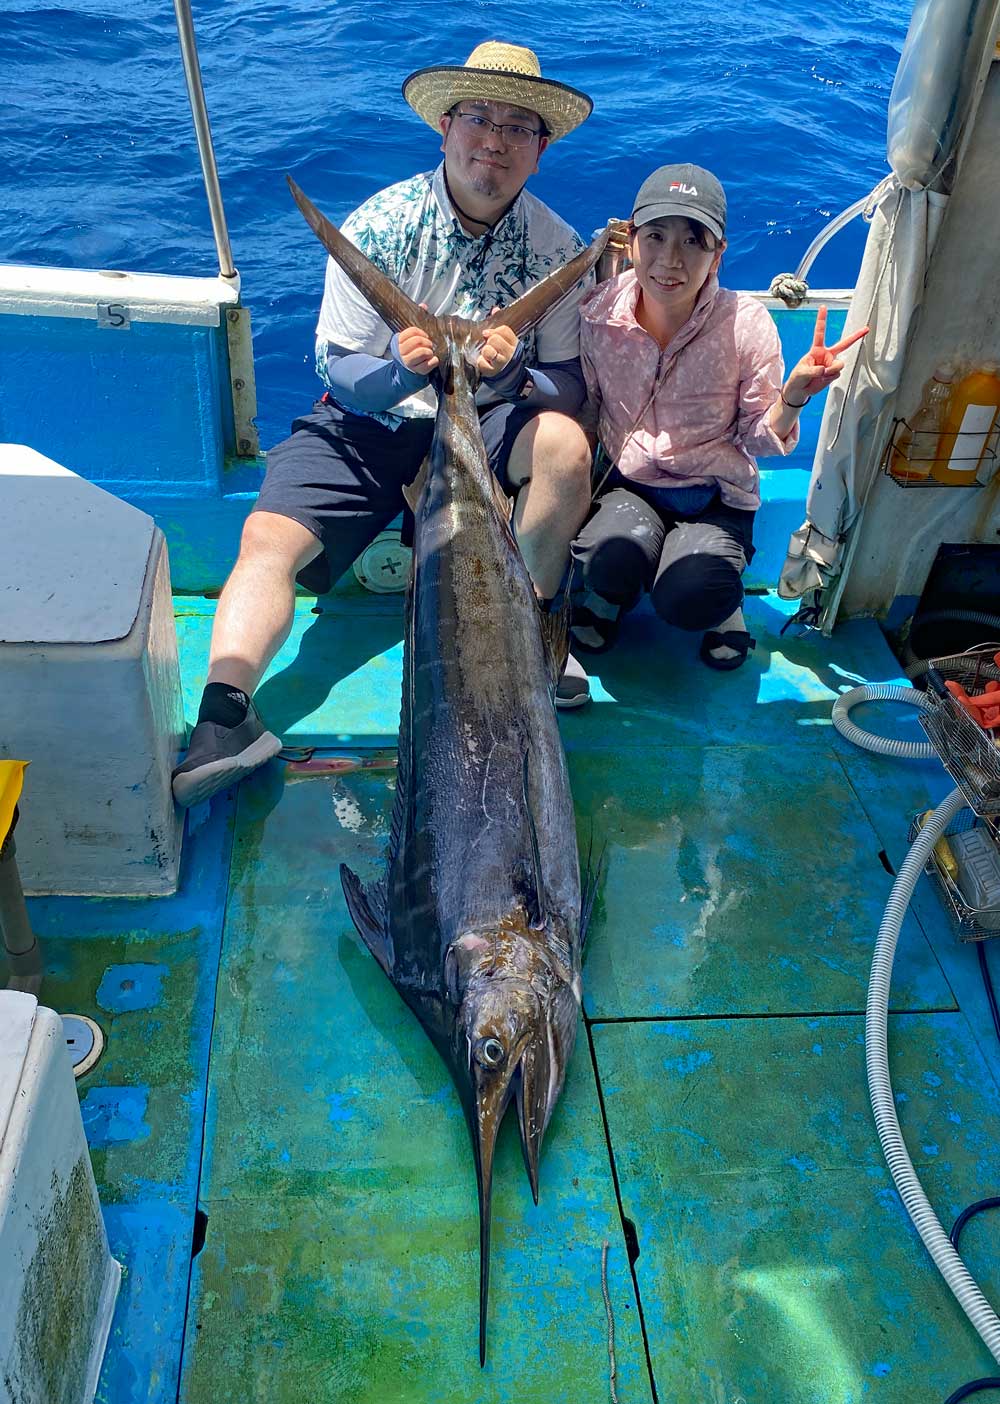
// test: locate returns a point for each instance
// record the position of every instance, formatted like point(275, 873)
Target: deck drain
point(84, 1042)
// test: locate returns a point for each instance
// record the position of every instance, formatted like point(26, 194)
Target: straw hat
point(501, 73)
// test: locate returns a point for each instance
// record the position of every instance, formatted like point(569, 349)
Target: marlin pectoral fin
point(537, 906)
point(541, 1073)
point(392, 305)
point(522, 315)
point(367, 909)
point(532, 1081)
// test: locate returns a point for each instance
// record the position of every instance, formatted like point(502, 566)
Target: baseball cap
point(688, 191)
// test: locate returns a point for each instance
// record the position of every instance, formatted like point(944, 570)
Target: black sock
point(224, 705)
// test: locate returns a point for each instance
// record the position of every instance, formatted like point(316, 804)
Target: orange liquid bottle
point(967, 426)
point(916, 446)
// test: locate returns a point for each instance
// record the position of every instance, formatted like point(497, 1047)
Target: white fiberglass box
point(91, 690)
point(58, 1281)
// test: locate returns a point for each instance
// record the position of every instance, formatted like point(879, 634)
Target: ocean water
point(785, 102)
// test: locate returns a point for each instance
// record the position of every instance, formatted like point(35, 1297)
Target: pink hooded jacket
point(695, 413)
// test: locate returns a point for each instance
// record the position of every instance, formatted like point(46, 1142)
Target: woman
point(686, 381)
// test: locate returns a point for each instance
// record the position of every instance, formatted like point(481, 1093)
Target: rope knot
point(791, 290)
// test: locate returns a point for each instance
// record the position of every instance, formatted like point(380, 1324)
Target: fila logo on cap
point(682, 188)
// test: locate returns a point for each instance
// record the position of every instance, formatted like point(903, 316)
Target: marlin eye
point(491, 1052)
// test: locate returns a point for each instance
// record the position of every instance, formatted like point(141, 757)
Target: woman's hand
point(820, 366)
point(416, 351)
point(497, 351)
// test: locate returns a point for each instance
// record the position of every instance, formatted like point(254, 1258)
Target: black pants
point(690, 564)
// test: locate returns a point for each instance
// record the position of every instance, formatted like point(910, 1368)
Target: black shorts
point(342, 476)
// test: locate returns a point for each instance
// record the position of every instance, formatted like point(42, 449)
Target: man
point(462, 240)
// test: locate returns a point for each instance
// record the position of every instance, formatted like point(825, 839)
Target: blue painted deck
point(261, 1067)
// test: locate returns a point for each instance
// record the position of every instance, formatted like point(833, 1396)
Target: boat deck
point(283, 1162)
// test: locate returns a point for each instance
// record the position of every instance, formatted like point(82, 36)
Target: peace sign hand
point(821, 365)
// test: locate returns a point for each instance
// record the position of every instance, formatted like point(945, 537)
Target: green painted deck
point(262, 1068)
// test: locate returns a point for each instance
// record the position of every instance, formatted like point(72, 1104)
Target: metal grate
point(969, 752)
point(971, 923)
point(919, 449)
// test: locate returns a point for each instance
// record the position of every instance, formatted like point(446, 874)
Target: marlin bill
point(480, 916)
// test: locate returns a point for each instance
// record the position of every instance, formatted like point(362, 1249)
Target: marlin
point(480, 916)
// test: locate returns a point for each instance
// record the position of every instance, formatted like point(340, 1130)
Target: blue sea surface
point(785, 102)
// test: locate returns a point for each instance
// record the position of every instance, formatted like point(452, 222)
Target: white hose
point(881, 745)
point(936, 1241)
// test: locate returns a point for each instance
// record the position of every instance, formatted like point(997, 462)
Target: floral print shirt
point(697, 412)
point(411, 232)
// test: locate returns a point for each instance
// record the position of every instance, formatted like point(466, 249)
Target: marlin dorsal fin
point(392, 305)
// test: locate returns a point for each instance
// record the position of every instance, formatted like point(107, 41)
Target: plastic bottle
point(967, 426)
point(916, 447)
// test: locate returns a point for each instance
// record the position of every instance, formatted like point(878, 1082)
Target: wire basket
point(919, 450)
point(969, 752)
point(971, 923)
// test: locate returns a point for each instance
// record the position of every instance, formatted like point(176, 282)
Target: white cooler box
point(91, 691)
point(58, 1281)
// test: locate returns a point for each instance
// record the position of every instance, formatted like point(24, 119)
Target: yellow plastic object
point(11, 780)
point(943, 855)
point(967, 427)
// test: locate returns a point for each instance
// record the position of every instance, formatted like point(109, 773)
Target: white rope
point(612, 1364)
point(792, 291)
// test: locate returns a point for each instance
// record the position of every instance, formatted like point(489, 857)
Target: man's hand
point(821, 365)
point(497, 351)
point(416, 351)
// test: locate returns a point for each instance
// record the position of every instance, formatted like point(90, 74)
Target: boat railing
point(792, 288)
point(940, 72)
point(203, 135)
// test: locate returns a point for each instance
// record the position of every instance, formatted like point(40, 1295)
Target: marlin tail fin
point(399, 311)
point(532, 306)
point(392, 305)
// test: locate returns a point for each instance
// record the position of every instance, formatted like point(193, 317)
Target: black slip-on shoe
point(219, 756)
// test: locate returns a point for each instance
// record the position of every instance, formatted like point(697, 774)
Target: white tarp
point(938, 84)
point(889, 290)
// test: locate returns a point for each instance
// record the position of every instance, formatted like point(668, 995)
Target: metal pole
point(23, 952)
point(196, 95)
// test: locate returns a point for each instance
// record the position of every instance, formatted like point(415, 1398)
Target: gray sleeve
point(365, 384)
point(557, 385)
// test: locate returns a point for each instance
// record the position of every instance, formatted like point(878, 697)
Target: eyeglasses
point(513, 133)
